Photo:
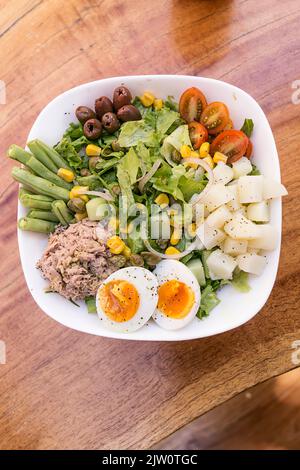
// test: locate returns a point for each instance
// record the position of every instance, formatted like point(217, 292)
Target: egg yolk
point(175, 299)
point(119, 300)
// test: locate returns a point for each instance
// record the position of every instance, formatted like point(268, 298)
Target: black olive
point(83, 114)
point(121, 97)
point(103, 105)
point(92, 129)
point(129, 113)
point(110, 122)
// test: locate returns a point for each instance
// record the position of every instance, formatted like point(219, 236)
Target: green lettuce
point(240, 281)
point(127, 172)
point(166, 180)
point(133, 132)
point(67, 151)
point(144, 157)
point(165, 119)
point(173, 141)
point(209, 301)
point(189, 186)
point(247, 127)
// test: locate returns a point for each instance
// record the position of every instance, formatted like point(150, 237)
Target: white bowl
point(235, 308)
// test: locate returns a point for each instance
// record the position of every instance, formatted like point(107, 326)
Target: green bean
point(61, 211)
point(44, 215)
point(17, 153)
point(41, 155)
point(39, 185)
point(36, 225)
point(52, 154)
point(35, 201)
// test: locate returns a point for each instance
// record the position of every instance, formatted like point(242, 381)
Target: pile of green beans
point(43, 192)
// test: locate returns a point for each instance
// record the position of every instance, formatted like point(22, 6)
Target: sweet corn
point(173, 212)
point(75, 192)
point(113, 224)
point(194, 154)
point(158, 104)
point(126, 252)
point(204, 149)
point(66, 175)
point(93, 150)
point(79, 216)
point(175, 237)
point(220, 157)
point(209, 160)
point(192, 230)
point(115, 245)
point(147, 99)
point(171, 250)
point(162, 200)
point(185, 151)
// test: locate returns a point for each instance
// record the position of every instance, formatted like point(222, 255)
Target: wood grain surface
point(63, 389)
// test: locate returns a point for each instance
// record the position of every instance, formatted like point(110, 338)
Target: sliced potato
point(210, 236)
point(234, 204)
point(241, 167)
point(223, 173)
point(218, 195)
point(258, 211)
point(250, 189)
point(234, 247)
point(272, 189)
point(267, 238)
point(218, 217)
point(251, 263)
point(239, 227)
point(220, 265)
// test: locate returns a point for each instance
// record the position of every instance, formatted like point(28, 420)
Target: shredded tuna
point(76, 260)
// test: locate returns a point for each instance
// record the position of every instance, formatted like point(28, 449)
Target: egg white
point(167, 270)
point(146, 284)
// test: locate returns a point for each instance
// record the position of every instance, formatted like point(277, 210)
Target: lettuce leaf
point(165, 119)
point(144, 157)
point(240, 281)
point(67, 151)
point(166, 180)
point(133, 132)
point(189, 186)
point(127, 171)
point(173, 141)
point(209, 301)
point(247, 127)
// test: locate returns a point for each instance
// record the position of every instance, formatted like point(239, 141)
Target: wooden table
point(63, 389)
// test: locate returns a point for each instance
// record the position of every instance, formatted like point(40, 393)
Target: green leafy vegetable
point(133, 132)
point(171, 103)
point(74, 131)
point(255, 171)
point(166, 180)
point(209, 301)
point(240, 281)
point(144, 157)
point(67, 151)
point(165, 119)
point(175, 140)
point(247, 127)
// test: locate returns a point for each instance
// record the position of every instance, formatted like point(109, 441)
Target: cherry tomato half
point(215, 117)
point(191, 104)
point(232, 143)
point(198, 134)
point(229, 125)
point(249, 150)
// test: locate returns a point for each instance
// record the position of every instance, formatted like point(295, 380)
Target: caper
point(162, 243)
point(150, 258)
point(116, 189)
point(118, 261)
point(76, 205)
point(83, 113)
point(129, 113)
point(85, 172)
point(116, 146)
point(136, 260)
point(92, 129)
point(176, 156)
point(121, 97)
point(110, 122)
point(93, 162)
point(103, 105)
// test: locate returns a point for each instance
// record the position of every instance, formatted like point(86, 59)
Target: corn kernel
point(220, 157)
point(93, 150)
point(185, 151)
point(147, 99)
point(175, 237)
point(81, 216)
point(66, 175)
point(171, 250)
point(162, 200)
point(113, 224)
point(192, 230)
point(115, 245)
point(209, 161)
point(204, 149)
point(158, 104)
point(126, 252)
point(76, 192)
point(173, 212)
point(194, 154)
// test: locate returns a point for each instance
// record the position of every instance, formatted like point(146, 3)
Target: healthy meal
point(150, 207)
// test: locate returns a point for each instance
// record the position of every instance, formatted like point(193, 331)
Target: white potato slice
point(239, 227)
point(258, 211)
point(210, 236)
point(223, 173)
point(267, 238)
point(241, 167)
point(272, 188)
point(220, 265)
point(250, 189)
point(252, 263)
point(218, 217)
point(234, 204)
point(218, 195)
point(234, 247)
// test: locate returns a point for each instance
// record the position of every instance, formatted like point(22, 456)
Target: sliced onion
point(211, 178)
point(105, 195)
point(176, 256)
point(149, 175)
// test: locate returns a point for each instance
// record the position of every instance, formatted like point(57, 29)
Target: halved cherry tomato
point(249, 150)
point(215, 117)
point(229, 125)
point(191, 104)
point(232, 143)
point(198, 134)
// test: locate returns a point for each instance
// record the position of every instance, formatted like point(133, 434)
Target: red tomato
point(229, 125)
point(249, 150)
point(215, 117)
point(232, 143)
point(191, 104)
point(198, 134)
